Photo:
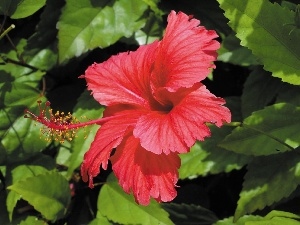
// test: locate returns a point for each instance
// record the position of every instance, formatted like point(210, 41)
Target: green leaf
point(207, 158)
point(100, 220)
point(268, 180)
point(86, 108)
point(275, 221)
point(153, 30)
point(19, 174)
point(153, 4)
point(190, 214)
point(232, 52)
point(30, 220)
point(242, 221)
point(260, 90)
point(85, 25)
point(276, 213)
point(45, 36)
point(23, 69)
point(20, 137)
point(289, 94)
point(17, 9)
point(278, 218)
point(272, 218)
point(120, 207)
point(264, 28)
point(56, 195)
point(269, 131)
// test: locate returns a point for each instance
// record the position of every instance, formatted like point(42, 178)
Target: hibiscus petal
point(178, 130)
point(123, 78)
point(144, 173)
point(108, 136)
point(185, 53)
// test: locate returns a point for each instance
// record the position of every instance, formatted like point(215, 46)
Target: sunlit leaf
point(265, 28)
point(57, 194)
point(119, 207)
point(22, 69)
point(207, 158)
point(100, 220)
point(153, 30)
point(85, 25)
point(21, 173)
point(153, 4)
point(275, 221)
point(20, 137)
point(272, 218)
point(269, 131)
point(242, 221)
point(268, 180)
point(232, 52)
point(17, 9)
point(30, 220)
point(278, 218)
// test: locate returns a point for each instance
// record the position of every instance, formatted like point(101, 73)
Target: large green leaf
point(120, 207)
point(232, 52)
point(23, 67)
point(268, 180)
point(21, 173)
point(275, 221)
point(30, 220)
point(85, 25)
point(190, 214)
point(17, 9)
point(272, 218)
point(207, 158)
point(100, 220)
point(56, 194)
point(269, 131)
point(242, 221)
point(20, 138)
point(265, 29)
point(289, 94)
point(153, 30)
point(260, 90)
point(278, 218)
point(45, 36)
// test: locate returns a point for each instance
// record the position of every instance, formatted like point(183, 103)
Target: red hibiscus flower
point(156, 109)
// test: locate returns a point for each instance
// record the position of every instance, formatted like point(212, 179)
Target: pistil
point(60, 126)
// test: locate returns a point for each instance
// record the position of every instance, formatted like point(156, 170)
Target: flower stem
point(7, 30)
